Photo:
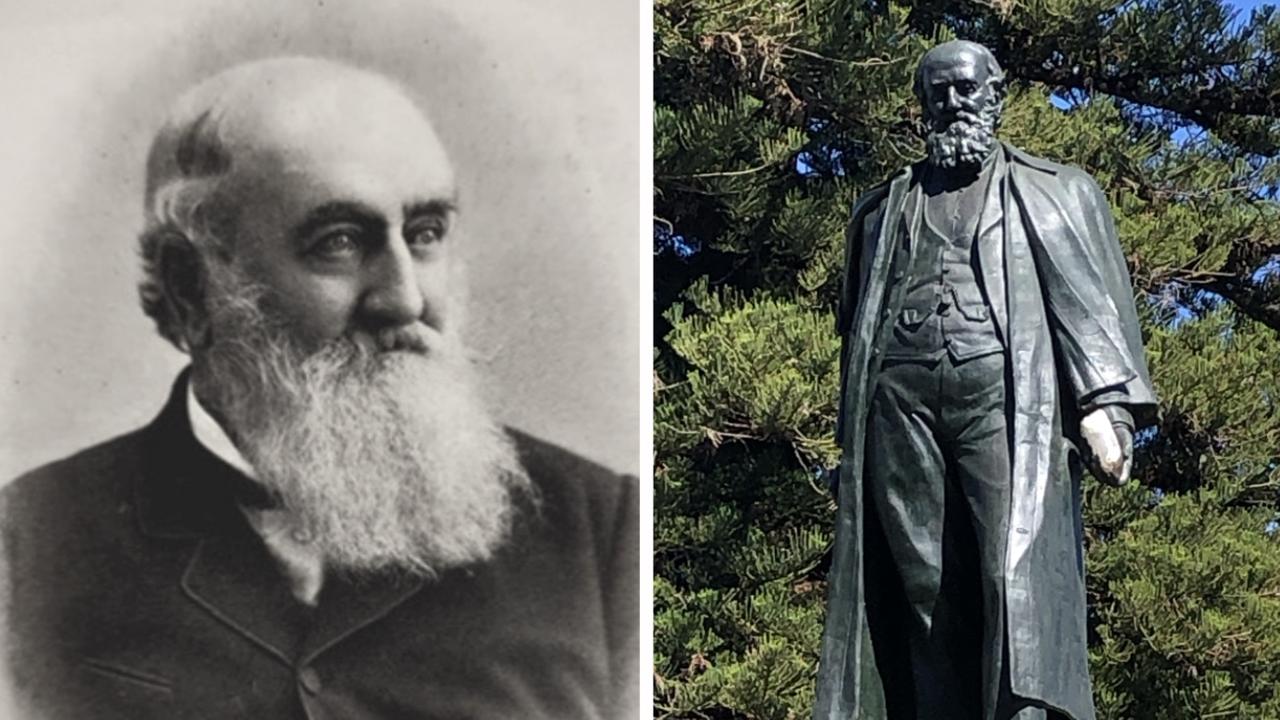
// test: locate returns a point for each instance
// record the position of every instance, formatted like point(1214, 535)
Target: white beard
point(966, 142)
point(390, 459)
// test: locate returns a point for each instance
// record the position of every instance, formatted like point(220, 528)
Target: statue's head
point(961, 89)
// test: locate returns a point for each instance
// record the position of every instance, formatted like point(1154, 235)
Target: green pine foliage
point(771, 117)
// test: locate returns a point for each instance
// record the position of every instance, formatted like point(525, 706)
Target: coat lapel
point(911, 213)
point(991, 245)
point(348, 604)
point(185, 492)
point(234, 578)
point(900, 218)
point(1042, 532)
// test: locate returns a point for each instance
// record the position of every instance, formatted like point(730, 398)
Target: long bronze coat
point(1060, 294)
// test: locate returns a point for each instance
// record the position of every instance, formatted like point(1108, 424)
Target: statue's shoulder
point(1030, 168)
point(873, 198)
point(870, 199)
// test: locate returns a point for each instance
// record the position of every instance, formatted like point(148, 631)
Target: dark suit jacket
point(138, 590)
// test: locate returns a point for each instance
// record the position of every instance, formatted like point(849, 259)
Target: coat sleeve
point(1141, 400)
point(862, 220)
point(620, 577)
point(1088, 292)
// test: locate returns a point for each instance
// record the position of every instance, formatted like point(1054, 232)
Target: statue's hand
point(1110, 447)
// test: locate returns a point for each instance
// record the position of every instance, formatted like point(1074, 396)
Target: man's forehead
point(340, 134)
point(952, 63)
point(319, 115)
point(298, 115)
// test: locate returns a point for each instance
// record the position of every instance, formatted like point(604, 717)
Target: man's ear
point(999, 91)
point(184, 285)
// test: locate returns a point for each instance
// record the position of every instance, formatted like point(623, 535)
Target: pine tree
point(771, 116)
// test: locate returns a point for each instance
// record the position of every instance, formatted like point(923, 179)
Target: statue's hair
point(995, 74)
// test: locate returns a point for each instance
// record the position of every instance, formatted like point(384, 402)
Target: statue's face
point(961, 104)
point(954, 81)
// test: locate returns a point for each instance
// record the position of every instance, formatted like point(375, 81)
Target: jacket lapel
point(348, 604)
point(235, 579)
point(898, 217)
point(911, 214)
point(185, 492)
point(846, 655)
point(991, 245)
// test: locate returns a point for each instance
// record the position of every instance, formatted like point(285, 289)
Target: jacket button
point(310, 680)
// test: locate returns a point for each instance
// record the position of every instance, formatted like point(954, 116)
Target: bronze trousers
point(937, 484)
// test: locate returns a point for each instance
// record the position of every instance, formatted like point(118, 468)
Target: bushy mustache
point(962, 118)
point(963, 138)
point(417, 338)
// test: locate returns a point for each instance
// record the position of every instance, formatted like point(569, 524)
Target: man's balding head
point(234, 145)
point(952, 54)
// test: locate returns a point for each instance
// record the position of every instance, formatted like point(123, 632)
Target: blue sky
point(1243, 6)
point(1247, 5)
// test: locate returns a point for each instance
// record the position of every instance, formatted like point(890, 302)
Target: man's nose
point(393, 297)
point(952, 99)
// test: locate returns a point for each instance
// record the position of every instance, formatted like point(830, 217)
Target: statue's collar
point(1022, 158)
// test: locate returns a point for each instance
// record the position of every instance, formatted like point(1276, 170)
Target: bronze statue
point(991, 351)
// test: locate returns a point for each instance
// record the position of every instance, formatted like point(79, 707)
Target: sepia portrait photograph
point(320, 350)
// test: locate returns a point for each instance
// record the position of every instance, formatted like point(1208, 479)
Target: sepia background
point(544, 143)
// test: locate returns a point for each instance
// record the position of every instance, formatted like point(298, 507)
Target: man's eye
point(426, 233)
point(337, 245)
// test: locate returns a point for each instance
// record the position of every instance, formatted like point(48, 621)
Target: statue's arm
point(1133, 404)
point(1087, 292)
point(862, 220)
point(844, 311)
point(1109, 409)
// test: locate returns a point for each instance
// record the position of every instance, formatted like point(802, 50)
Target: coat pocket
point(974, 313)
point(911, 318)
point(135, 678)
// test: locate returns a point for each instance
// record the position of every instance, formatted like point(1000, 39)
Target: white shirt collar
point(211, 435)
point(299, 559)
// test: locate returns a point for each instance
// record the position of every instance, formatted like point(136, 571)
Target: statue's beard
point(966, 142)
point(389, 458)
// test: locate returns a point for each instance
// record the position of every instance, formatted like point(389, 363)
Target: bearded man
point(991, 348)
point(324, 521)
